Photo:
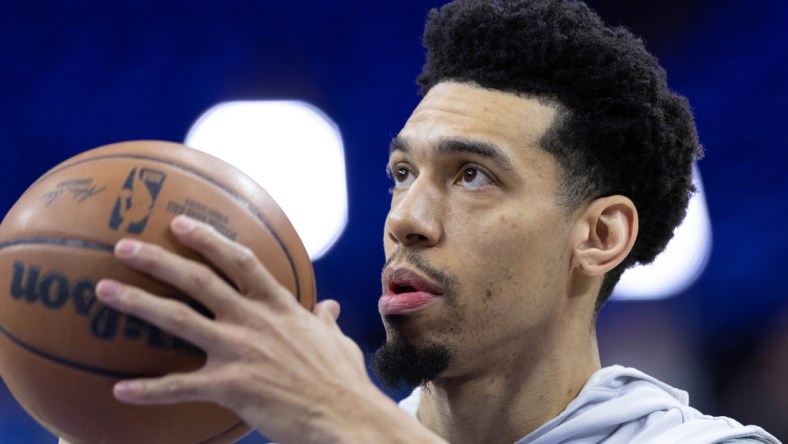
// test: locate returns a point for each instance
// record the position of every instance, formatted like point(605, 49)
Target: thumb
point(327, 310)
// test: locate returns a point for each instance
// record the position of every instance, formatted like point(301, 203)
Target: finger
point(327, 310)
point(168, 314)
point(192, 278)
point(168, 389)
point(236, 261)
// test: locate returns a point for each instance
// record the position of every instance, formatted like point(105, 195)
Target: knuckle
point(151, 255)
point(245, 259)
point(200, 276)
point(180, 315)
point(175, 387)
point(205, 235)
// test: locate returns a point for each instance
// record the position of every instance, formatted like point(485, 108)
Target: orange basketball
point(61, 350)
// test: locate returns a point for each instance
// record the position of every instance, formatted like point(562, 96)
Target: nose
point(414, 219)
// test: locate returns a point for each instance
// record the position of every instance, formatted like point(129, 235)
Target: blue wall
point(75, 75)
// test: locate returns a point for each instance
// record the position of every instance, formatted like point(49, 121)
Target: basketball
point(61, 350)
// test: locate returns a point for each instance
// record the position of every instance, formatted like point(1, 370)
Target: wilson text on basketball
point(55, 290)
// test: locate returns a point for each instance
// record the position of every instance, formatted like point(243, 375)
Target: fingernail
point(107, 290)
point(127, 248)
point(123, 390)
point(183, 224)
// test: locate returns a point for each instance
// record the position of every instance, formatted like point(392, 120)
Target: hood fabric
point(624, 405)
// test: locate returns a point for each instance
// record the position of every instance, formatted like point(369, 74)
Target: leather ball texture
point(61, 350)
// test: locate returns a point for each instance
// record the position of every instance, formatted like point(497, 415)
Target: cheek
point(520, 258)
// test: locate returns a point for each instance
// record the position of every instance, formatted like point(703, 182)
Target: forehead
point(452, 110)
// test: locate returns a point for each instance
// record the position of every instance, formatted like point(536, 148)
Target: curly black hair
point(620, 129)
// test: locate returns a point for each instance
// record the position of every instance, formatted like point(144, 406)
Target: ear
point(604, 233)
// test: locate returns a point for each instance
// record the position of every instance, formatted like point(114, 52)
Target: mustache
point(416, 260)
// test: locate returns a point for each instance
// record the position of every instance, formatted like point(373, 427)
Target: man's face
point(478, 257)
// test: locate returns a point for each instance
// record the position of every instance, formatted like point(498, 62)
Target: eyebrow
point(460, 145)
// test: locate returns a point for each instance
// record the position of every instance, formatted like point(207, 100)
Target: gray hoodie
point(624, 405)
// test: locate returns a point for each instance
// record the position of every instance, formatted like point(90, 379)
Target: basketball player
point(547, 156)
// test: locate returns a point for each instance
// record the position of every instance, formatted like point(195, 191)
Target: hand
point(287, 372)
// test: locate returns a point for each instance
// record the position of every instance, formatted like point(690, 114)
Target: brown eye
point(469, 174)
point(400, 174)
point(473, 177)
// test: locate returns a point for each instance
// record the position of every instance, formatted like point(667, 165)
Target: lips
point(406, 292)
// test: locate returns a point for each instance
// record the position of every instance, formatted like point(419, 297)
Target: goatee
point(399, 363)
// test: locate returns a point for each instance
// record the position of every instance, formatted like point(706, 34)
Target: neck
point(515, 395)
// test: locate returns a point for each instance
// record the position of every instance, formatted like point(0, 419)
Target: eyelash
point(471, 166)
point(458, 177)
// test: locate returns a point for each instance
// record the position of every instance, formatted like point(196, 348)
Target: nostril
point(415, 238)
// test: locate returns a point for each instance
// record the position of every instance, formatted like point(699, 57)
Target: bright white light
point(680, 264)
point(291, 149)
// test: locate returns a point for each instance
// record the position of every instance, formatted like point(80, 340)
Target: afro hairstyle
point(620, 129)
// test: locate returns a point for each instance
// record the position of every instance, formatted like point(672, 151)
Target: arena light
point(291, 149)
point(680, 264)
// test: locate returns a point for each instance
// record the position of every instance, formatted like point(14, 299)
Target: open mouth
point(399, 289)
point(405, 292)
point(403, 281)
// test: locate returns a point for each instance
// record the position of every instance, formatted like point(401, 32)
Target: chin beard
point(399, 363)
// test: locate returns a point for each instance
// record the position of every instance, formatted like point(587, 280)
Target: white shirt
point(624, 405)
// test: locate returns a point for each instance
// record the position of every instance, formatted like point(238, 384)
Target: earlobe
point(605, 233)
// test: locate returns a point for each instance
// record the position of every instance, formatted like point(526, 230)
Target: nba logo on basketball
point(136, 199)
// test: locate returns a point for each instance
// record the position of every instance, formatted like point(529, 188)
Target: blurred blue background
point(76, 75)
